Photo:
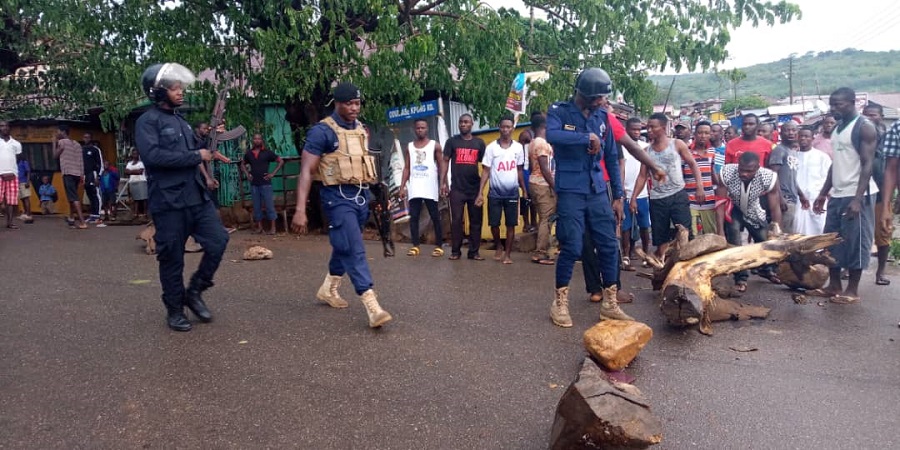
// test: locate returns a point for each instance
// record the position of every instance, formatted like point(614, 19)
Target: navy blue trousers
point(172, 230)
point(346, 219)
point(578, 214)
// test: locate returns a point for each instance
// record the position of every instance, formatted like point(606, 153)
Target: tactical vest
point(351, 162)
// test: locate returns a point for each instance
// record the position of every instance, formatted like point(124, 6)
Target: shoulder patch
point(569, 127)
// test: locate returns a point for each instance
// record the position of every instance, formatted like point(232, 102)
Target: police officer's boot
point(559, 309)
point(377, 316)
point(175, 317)
point(194, 300)
point(328, 291)
point(609, 307)
point(178, 321)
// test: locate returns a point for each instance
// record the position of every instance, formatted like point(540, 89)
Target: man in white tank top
point(421, 184)
point(851, 209)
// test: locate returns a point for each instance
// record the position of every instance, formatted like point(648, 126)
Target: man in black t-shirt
point(256, 166)
point(464, 152)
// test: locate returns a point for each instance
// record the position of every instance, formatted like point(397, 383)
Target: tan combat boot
point(559, 309)
point(609, 307)
point(377, 316)
point(328, 292)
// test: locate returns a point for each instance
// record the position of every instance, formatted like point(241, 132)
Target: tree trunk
point(687, 294)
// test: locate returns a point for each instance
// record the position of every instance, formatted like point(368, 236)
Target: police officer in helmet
point(337, 152)
point(579, 131)
point(178, 199)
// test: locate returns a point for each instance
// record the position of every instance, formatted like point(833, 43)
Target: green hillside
point(862, 71)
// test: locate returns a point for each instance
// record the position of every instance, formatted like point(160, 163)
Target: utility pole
point(791, 77)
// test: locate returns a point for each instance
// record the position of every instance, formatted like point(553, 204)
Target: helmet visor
point(173, 75)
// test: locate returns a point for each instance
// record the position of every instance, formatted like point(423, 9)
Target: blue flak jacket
point(168, 147)
point(577, 171)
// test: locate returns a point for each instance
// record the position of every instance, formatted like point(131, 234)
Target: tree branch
point(427, 7)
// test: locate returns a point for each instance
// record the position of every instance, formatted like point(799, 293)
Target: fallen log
point(687, 290)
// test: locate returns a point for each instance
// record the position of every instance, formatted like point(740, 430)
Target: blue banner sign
point(408, 112)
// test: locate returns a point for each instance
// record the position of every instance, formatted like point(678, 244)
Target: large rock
point(596, 412)
point(257, 252)
point(615, 343)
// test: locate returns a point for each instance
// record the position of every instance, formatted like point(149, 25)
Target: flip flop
point(820, 293)
point(12, 227)
point(882, 281)
point(82, 226)
point(476, 257)
point(544, 261)
point(438, 252)
point(498, 255)
point(414, 251)
point(844, 299)
point(507, 261)
point(454, 257)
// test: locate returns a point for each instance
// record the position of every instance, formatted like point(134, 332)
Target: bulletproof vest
point(351, 162)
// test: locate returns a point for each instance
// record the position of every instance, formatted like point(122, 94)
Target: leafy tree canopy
point(92, 52)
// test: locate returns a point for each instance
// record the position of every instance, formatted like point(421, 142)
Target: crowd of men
point(605, 185)
point(806, 178)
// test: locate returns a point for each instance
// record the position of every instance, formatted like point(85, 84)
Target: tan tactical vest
point(351, 162)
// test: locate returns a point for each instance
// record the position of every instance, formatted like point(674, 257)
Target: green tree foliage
point(741, 103)
point(290, 51)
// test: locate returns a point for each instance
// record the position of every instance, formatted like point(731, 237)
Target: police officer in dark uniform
point(336, 150)
point(178, 199)
point(580, 134)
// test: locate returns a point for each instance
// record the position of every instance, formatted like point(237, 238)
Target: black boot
point(194, 300)
point(178, 321)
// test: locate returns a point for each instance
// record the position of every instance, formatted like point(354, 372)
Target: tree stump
point(685, 277)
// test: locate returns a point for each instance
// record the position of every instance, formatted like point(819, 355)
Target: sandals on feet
point(454, 257)
point(882, 281)
point(414, 251)
point(438, 252)
point(841, 299)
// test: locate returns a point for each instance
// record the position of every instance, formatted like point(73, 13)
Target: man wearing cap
point(683, 130)
point(178, 199)
point(337, 151)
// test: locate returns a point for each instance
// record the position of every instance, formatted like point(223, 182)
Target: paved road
point(470, 362)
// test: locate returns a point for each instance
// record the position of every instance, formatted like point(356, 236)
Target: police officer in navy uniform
point(337, 144)
point(580, 134)
point(178, 199)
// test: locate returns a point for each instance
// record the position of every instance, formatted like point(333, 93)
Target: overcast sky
point(872, 25)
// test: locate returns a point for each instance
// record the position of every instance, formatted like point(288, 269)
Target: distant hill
point(862, 71)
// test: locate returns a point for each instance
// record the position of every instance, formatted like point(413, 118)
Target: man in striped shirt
point(703, 213)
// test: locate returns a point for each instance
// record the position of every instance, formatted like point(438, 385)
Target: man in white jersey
point(421, 184)
point(851, 208)
point(503, 163)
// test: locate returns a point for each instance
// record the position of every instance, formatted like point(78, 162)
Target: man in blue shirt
point(178, 199)
point(344, 166)
point(580, 134)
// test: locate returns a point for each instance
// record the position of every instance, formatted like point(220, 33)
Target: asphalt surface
point(471, 360)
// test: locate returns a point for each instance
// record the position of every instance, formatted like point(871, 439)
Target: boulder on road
point(615, 343)
point(257, 252)
point(596, 412)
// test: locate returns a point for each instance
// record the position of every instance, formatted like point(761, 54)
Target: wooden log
point(688, 284)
